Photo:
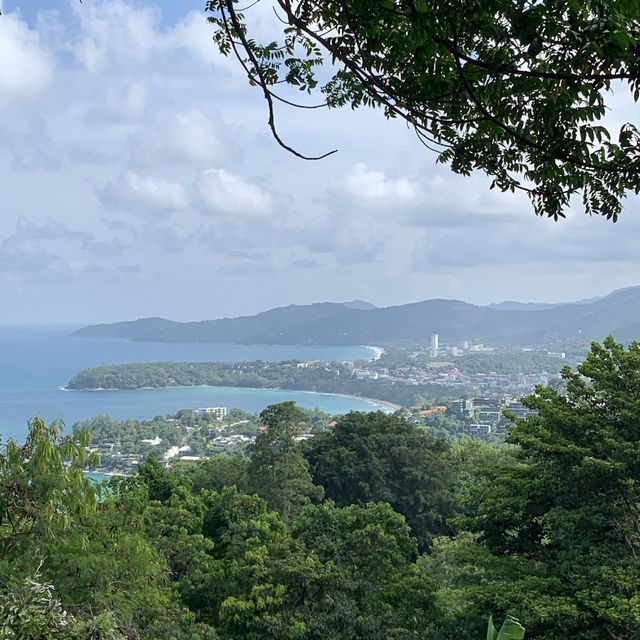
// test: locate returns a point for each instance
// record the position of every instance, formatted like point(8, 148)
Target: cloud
point(305, 263)
point(243, 269)
point(349, 241)
point(50, 229)
point(20, 254)
point(27, 67)
point(30, 145)
point(151, 153)
point(115, 33)
point(369, 187)
point(144, 193)
point(24, 249)
point(126, 100)
point(104, 248)
point(223, 191)
point(519, 242)
point(119, 34)
point(129, 268)
point(191, 136)
point(171, 239)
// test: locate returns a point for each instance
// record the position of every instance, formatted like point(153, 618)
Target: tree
point(513, 88)
point(30, 610)
point(374, 457)
point(362, 583)
point(218, 472)
point(565, 517)
point(278, 471)
point(73, 555)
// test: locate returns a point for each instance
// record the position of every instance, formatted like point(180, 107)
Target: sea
point(36, 362)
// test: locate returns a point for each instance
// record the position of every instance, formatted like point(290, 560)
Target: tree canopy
point(370, 457)
point(517, 89)
point(413, 539)
point(561, 528)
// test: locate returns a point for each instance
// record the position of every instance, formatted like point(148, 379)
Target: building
point(433, 345)
point(478, 430)
point(432, 410)
point(217, 412)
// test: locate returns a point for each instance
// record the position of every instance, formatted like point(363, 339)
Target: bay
point(36, 361)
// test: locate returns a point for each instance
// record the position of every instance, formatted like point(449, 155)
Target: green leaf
point(511, 630)
point(492, 634)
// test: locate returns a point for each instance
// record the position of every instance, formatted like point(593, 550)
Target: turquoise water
point(96, 476)
point(36, 361)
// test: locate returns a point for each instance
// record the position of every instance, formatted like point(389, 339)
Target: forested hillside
point(371, 530)
point(453, 320)
point(317, 377)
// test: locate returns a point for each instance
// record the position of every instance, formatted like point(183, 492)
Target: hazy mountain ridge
point(454, 320)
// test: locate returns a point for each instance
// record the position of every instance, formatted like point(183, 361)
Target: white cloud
point(115, 33)
point(223, 191)
point(190, 136)
point(144, 193)
point(143, 116)
point(371, 187)
point(26, 65)
point(124, 101)
point(195, 35)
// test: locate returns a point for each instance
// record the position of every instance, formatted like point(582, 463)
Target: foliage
point(41, 485)
point(375, 457)
point(527, 362)
point(511, 629)
point(414, 538)
point(278, 471)
point(80, 539)
point(30, 610)
point(322, 377)
point(569, 508)
point(515, 89)
point(218, 472)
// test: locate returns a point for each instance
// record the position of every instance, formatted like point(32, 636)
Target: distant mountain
point(334, 323)
point(130, 329)
point(363, 305)
point(512, 305)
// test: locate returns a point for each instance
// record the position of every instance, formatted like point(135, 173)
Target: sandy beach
point(377, 351)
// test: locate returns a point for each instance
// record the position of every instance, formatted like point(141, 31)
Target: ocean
point(37, 361)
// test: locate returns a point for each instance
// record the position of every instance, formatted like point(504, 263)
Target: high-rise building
point(433, 348)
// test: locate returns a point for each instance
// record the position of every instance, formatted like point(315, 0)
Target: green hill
point(454, 320)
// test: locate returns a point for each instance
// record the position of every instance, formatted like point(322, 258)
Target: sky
point(138, 178)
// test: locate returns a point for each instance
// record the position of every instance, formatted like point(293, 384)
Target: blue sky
point(139, 178)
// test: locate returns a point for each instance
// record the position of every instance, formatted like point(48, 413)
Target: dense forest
point(528, 362)
point(318, 377)
point(373, 530)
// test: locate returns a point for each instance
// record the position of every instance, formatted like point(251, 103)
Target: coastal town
point(451, 391)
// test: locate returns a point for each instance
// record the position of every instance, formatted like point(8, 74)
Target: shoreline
point(383, 403)
point(391, 406)
point(377, 351)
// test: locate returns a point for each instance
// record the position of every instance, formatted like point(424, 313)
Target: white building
point(434, 345)
point(217, 412)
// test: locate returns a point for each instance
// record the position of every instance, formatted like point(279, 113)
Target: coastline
point(391, 406)
point(377, 351)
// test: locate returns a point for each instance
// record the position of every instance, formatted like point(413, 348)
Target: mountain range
point(359, 322)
